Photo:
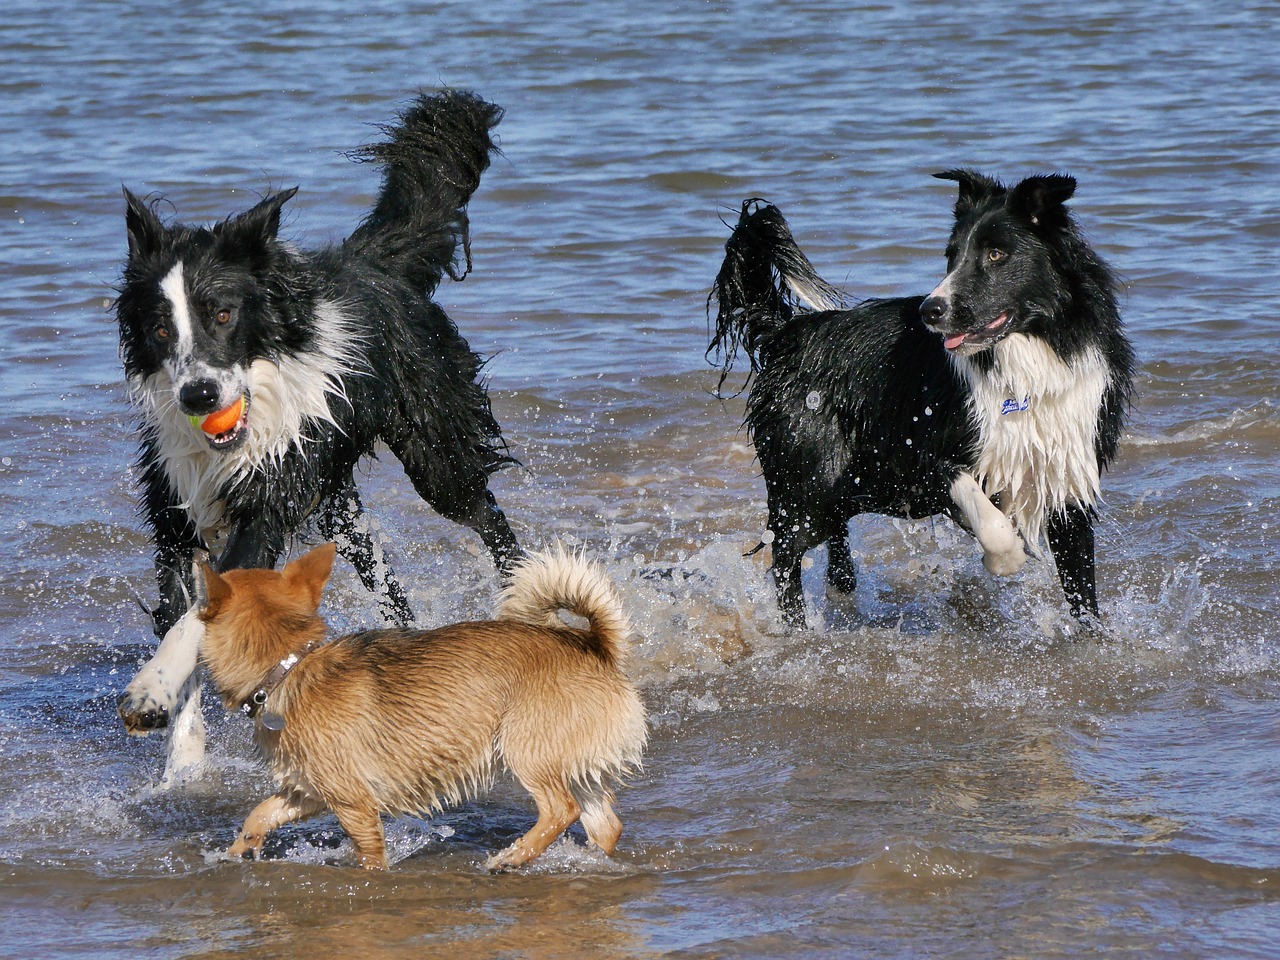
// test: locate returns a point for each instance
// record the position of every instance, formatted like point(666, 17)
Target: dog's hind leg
point(598, 817)
point(792, 537)
point(459, 491)
point(1071, 541)
point(343, 520)
point(557, 811)
point(842, 576)
point(487, 519)
point(273, 812)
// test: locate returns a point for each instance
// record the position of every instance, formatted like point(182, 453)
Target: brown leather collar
point(254, 703)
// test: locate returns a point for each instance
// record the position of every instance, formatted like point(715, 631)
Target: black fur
point(863, 410)
point(408, 378)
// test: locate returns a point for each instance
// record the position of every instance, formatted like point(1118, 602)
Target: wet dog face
point(195, 309)
point(1002, 274)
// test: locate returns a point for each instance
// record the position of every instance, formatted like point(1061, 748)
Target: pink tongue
point(954, 340)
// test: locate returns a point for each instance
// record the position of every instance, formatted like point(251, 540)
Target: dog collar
point(254, 703)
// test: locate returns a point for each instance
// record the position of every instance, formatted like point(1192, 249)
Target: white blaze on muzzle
point(182, 364)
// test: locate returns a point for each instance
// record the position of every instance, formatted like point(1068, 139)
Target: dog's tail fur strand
point(764, 280)
point(432, 161)
point(548, 581)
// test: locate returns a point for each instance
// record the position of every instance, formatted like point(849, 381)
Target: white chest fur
point(1037, 421)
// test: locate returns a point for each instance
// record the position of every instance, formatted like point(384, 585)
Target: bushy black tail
point(432, 161)
point(764, 280)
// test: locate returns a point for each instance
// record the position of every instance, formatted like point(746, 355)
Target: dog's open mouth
point(971, 341)
point(226, 429)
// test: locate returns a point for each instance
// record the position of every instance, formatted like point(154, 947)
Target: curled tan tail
point(555, 579)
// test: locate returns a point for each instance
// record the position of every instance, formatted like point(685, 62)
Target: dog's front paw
point(1002, 552)
point(1006, 563)
point(153, 694)
point(501, 862)
point(141, 712)
point(246, 843)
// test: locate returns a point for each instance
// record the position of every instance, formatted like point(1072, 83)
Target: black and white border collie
point(262, 374)
point(997, 400)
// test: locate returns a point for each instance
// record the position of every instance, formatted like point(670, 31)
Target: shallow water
point(940, 768)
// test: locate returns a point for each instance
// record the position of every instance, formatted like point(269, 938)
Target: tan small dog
point(406, 721)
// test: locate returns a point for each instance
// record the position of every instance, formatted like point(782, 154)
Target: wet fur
point(336, 350)
point(863, 410)
point(404, 721)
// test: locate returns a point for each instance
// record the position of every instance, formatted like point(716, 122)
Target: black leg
point(1071, 542)
point(842, 576)
point(457, 489)
point(252, 544)
point(175, 548)
point(342, 520)
point(791, 540)
point(491, 523)
point(173, 572)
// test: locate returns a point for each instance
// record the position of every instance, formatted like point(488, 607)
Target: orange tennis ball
point(223, 420)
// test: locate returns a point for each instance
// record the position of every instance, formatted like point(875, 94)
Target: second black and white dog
point(262, 374)
point(997, 400)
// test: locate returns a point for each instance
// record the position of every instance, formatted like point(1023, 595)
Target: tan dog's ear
point(311, 571)
point(215, 591)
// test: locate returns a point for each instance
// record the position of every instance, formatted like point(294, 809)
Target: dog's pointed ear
point(1041, 198)
point(212, 589)
point(260, 222)
point(311, 571)
point(974, 188)
point(146, 232)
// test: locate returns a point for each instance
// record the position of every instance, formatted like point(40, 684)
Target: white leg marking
point(1002, 552)
point(155, 691)
point(186, 740)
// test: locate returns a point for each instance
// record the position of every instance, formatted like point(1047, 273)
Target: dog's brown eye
point(222, 316)
point(162, 333)
point(995, 256)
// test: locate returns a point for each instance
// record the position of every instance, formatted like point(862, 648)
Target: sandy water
point(939, 768)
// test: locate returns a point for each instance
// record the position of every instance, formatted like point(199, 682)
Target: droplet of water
point(813, 400)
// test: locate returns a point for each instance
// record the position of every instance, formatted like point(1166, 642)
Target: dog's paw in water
point(153, 695)
point(1002, 552)
point(246, 843)
point(141, 713)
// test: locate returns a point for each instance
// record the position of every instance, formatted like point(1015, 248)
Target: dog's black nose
point(934, 310)
point(199, 396)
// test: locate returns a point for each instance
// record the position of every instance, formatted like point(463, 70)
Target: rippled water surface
point(941, 767)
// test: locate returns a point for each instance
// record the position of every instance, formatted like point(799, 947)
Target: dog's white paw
point(1004, 563)
point(142, 711)
point(153, 694)
point(1002, 552)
